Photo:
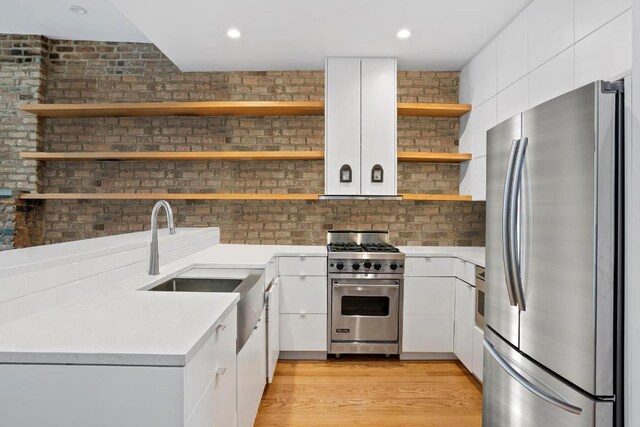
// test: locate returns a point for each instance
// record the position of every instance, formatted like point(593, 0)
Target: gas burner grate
point(379, 247)
point(345, 247)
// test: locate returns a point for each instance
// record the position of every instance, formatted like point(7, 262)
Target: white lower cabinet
point(200, 394)
point(273, 328)
point(427, 334)
point(463, 344)
point(216, 407)
point(464, 323)
point(252, 374)
point(478, 352)
point(303, 332)
point(427, 323)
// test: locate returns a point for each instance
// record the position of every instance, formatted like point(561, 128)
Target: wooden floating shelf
point(224, 108)
point(433, 110)
point(437, 197)
point(216, 196)
point(403, 156)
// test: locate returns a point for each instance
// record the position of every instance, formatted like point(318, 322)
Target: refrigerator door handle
point(506, 227)
point(528, 385)
point(514, 245)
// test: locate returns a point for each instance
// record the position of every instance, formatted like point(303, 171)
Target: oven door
point(365, 310)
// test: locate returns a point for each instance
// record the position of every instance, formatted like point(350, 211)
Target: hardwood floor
point(366, 391)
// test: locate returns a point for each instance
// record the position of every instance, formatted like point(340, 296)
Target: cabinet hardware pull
point(221, 371)
point(221, 328)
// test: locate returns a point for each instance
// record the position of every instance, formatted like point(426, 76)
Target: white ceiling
point(276, 34)
point(53, 19)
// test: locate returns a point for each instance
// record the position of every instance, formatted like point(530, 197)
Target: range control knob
point(367, 264)
point(355, 266)
point(393, 266)
point(339, 266)
point(377, 266)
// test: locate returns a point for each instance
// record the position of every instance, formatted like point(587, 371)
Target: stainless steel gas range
point(365, 279)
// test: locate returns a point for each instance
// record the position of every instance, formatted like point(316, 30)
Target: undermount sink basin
point(188, 284)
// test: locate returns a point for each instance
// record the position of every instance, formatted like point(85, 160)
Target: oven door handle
point(359, 285)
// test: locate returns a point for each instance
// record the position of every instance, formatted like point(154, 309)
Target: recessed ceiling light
point(233, 33)
point(78, 9)
point(404, 34)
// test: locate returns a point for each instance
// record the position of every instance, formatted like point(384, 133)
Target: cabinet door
point(428, 296)
point(342, 125)
point(465, 303)
point(478, 352)
point(303, 332)
point(427, 333)
point(303, 294)
point(379, 115)
point(273, 338)
point(463, 344)
point(252, 373)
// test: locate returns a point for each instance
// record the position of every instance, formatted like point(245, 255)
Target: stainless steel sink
point(189, 284)
point(248, 283)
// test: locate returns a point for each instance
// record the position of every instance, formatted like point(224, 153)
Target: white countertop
point(121, 325)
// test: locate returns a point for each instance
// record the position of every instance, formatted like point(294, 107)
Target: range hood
point(360, 129)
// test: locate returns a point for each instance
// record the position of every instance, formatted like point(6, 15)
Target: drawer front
point(303, 294)
point(428, 295)
point(465, 303)
point(427, 334)
point(217, 408)
point(428, 267)
point(202, 368)
point(302, 266)
point(464, 270)
point(303, 332)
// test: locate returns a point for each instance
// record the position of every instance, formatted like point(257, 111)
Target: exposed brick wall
point(23, 73)
point(117, 72)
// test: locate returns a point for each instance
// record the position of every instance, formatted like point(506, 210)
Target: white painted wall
point(633, 239)
point(550, 48)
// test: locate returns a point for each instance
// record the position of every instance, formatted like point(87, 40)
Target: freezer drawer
point(518, 392)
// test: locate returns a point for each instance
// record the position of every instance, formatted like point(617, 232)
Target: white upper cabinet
point(605, 54)
point(592, 14)
point(550, 29)
point(552, 79)
point(513, 100)
point(342, 126)
point(478, 77)
point(512, 51)
point(361, 116)
point(379, 115)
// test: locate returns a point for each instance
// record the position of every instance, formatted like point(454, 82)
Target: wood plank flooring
point(367, 391)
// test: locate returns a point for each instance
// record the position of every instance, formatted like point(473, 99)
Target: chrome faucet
point(154, 258)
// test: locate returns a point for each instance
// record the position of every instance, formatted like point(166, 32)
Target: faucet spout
point(154, 257)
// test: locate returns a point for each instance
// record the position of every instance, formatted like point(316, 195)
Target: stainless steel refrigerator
point(553, 304)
